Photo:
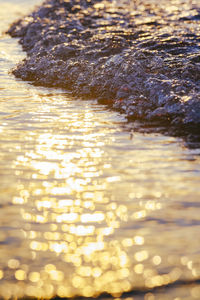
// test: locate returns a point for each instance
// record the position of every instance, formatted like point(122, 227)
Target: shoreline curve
point(138, 57)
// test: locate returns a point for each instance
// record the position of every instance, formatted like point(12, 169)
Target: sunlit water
point(86, 207)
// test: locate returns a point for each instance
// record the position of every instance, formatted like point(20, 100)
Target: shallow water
point(87, 205)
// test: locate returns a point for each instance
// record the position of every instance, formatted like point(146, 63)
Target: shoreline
point(139, 59)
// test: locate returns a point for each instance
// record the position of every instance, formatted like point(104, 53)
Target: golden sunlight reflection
point(68, 197)
point(75, 222)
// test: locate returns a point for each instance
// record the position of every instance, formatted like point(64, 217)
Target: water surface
point(86, 206)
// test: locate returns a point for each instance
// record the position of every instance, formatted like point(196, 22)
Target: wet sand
point(140, 57)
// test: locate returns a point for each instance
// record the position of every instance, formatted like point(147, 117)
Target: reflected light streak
point(82, 228)
point(66, 191)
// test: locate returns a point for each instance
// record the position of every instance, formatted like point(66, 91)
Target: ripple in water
point(86, 207)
